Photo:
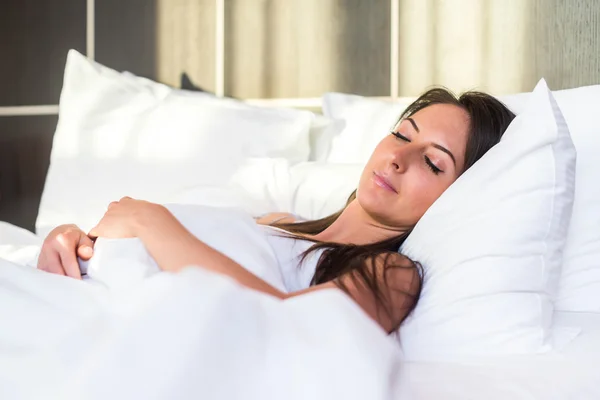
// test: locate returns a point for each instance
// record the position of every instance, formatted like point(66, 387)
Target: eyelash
point(400, 136)
point(430, 164)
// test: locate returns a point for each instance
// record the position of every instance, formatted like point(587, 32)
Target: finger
point(85, 252)
point(85, 240)
point(112, 204)
point(51, 263)
point(69, 262)
point(41, 262)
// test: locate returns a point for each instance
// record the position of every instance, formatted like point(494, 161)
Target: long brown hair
point(488, 120)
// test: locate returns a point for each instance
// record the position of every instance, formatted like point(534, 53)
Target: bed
point(127, 331)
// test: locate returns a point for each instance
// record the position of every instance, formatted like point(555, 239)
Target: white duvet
point(150, 335)
point(145, 334)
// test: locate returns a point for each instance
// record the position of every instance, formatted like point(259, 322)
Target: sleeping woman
point(437, 138)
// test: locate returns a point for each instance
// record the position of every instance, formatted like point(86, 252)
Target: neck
point(355, 226)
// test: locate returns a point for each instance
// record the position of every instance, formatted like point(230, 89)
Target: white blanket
point(200, 335)
point(189, 335)
point(123, 263)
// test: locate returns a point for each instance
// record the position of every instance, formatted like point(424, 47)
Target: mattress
point(571, 373)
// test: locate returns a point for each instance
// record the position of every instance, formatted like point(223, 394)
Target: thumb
point(85, 252)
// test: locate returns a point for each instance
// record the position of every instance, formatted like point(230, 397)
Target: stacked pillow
point(322, 131)
point(367, 121)
point(448, 322)
point(579, 288)
point(491, 245)
point(121, 135)
point(579, 285)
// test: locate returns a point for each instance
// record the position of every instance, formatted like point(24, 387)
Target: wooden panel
point(302, 48)
point(34, 39)
point(566, 49)
point(158, 39)
point(500, 46)
point(186, 41)
point(25, 145)
point(125, 35)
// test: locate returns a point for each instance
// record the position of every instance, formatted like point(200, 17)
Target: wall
point(281, 48)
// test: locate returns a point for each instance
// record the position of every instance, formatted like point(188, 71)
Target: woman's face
point(412, 167)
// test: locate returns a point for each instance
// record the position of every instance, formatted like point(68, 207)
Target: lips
point(383, 183)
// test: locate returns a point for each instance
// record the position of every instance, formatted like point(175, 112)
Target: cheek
point(421, 190)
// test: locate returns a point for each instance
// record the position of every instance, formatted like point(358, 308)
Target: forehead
point(446, 125)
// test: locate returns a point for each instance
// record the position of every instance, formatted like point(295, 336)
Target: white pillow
point(323, 132)
point(260, 186)
point(367, 121)
point(579, 288)
point(119, 136)
point(580, 282)
point(322, 129)
point(491, 245)
point(321, 189)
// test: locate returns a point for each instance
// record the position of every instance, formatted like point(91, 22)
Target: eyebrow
point(437, 146)
point(413, 123)
point(445, 150)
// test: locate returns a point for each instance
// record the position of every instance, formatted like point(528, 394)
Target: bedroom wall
point(280, 48)
point(33, 36)
point(302, 48)
point(501, 46)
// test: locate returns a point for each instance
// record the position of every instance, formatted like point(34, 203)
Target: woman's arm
point(174, 247)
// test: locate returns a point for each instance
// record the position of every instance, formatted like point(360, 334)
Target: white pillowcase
point(491, 245)
point(367, 122)
point(579, 288)
point(260, 186)
point(119, 136)
point(322, 130)
point(321, 189)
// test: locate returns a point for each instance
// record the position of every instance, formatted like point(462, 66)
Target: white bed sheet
point(572, 373)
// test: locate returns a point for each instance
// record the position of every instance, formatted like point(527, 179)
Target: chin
point(377, 205)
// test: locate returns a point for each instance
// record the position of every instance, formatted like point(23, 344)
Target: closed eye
point(432, 166)
point(400, 136)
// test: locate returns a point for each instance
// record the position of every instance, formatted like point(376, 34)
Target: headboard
point(275, 52)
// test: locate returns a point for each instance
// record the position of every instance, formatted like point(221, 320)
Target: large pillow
point(322, 130)
point(321, 189)
point(580, 282)
point(121, 136)
point(579, 288)
point(491, 245)
point(367, 121)
point(260, 186)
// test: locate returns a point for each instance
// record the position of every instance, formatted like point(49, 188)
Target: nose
point(402, 157)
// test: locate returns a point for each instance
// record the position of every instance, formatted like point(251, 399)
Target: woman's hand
point(61, 248)
point(124, 218)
